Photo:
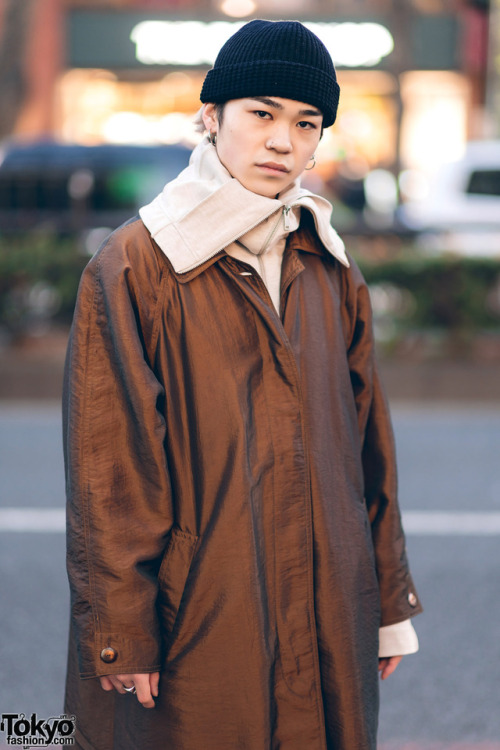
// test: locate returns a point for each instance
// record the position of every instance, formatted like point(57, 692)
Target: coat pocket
point(173, 573)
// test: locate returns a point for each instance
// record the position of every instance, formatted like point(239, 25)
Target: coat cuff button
point(109, 655)
point(412, 599)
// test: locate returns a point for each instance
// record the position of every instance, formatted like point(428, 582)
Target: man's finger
point(106, 683)
point(154, 681)
point(142, 685)
point(116, 681)
point(388, 666)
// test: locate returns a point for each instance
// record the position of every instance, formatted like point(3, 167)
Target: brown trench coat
point(232, 509)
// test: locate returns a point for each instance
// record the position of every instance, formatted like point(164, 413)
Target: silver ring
point(130, 689)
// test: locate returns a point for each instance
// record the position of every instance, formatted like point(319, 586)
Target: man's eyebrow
point(266, 100)
point(277, 105)
point(311, 112)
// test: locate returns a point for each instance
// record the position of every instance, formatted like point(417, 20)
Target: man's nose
point(280, 140)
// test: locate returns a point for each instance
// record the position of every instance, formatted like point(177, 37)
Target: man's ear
point(209, 117)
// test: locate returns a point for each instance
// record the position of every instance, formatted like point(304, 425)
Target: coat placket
point(291, 527)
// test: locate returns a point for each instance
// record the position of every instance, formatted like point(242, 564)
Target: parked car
point(461, 212)
point(73, 188)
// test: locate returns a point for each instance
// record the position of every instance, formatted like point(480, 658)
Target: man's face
point(265, 142)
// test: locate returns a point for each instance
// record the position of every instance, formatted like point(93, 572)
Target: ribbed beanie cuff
point(275, 58)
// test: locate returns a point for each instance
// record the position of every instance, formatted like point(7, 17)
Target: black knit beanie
point(275, 58)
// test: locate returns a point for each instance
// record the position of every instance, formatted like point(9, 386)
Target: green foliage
point(458, 295)
point(39, 276)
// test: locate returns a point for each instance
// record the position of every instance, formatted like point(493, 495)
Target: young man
point(235, 549)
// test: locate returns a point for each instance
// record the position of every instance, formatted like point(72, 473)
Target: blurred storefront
point(413, 73)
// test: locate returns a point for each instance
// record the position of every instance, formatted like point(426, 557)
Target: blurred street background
point(97, 100)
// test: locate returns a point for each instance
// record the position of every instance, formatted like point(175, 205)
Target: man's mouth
point(273, 166)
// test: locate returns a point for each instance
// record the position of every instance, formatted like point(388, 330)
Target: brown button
point(412, 599)
point(109, 654)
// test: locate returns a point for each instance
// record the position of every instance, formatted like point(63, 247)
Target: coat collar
point(204, 210)
point(304, 240)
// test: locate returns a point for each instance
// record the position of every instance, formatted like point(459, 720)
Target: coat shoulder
point(129, 248)
point(126, 275)
point(353, 274)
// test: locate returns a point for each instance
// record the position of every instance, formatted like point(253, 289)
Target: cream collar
point(204, 210)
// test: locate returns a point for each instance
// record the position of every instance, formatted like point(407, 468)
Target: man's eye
point(307, 125)
point(260, 113)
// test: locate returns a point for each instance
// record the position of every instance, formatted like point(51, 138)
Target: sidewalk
point(35, 371)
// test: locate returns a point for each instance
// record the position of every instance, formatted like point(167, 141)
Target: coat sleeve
point(119, 509)
point(399, 600)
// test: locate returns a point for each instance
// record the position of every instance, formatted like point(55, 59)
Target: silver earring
point(313, 159)
point(212, 137)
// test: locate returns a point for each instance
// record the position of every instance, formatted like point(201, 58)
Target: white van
point(461, 212)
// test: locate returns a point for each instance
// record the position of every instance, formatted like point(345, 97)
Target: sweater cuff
point(397, 640)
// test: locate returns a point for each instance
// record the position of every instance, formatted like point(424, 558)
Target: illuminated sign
point(129, 40)
point(351, 45)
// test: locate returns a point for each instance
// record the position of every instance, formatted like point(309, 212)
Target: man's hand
point(387, 666)
point(146, 685)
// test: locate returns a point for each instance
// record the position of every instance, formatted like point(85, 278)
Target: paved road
point(448, 696)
